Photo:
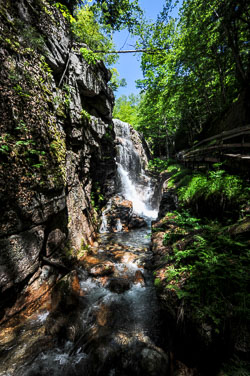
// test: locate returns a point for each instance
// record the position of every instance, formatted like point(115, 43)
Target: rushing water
point(121, 331)
point(120, 328)
point(133, 183)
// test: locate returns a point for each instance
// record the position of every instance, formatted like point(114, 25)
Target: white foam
point(43, 316)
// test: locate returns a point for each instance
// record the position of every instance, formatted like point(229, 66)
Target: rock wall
point(56, 142)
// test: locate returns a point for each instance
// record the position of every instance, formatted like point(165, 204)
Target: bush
point(210, 272)
point(160, 165)
point(214, 194)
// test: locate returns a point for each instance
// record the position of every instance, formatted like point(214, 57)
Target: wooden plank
point(236, 135)
point(224, 133)
point(232, 155)
point(216, 147)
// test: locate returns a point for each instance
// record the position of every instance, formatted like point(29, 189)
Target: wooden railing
point(228, 145)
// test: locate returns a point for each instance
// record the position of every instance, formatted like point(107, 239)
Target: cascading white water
point(133, 182)
point(104, 222)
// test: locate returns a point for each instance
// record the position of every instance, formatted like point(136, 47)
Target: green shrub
point(214, 183)
point(211, 274)
point(159, 165)
point(88, 55)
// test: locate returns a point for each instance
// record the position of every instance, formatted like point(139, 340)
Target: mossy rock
point(242, 228)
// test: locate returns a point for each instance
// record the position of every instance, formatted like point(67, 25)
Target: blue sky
point(129, 64)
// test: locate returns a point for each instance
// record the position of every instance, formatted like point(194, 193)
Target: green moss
point(85, 115)
point(45, 66)
point(157, 282)
point(46, 90)
point(60, 111)
point(22, 92)
point(58, 151)
point(14, 45)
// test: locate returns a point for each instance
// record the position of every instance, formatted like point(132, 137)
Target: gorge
point(94, 255)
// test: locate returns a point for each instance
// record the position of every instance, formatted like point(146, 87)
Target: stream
point(118, 326)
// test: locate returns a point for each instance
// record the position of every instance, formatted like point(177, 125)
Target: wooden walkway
point(230, 146)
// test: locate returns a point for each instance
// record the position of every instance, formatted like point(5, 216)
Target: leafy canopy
point(200, 72)
point(96, 36)
point(115, 13)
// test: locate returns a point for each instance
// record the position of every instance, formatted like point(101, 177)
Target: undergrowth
point(210, 270)
point(206, 263)
point(215, 194)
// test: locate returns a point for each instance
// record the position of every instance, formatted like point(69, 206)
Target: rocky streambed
point(101, 318)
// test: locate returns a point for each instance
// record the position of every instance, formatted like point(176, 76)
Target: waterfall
point(132, 181)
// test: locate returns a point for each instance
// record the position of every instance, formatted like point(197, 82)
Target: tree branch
point(130, 51)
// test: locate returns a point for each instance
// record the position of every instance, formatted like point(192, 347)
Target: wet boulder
point(136, 222)
point(120, 217)
point(120, 213)
point(138, 278)
point(127, 356)
point(64, 319)
point(19, 256)
point(54, 241)
point(102, 270)
point(154, 361)
point(118, 285)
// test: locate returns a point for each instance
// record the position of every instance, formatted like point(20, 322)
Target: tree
point(201, 72)
point(96, 36)
point(115, 13)
point(115, 82)
point(126, 109)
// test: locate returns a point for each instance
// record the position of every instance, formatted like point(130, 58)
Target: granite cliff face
point(56, 144)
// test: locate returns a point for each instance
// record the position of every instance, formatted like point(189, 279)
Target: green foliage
point(115, 82)
point(65, 12)
point(236, 367)
point(22, 126)
point(85, 115)
point(117, 14)
point(97, 37)
point(183, 222)
point(157, 282)
point(158, 165)
point(207, 264)
point(24, 148)
point(198, 74)
point(97, 197)
point(184, 219)
point(67, 95)
point(21, 92)
point(210, 271)
point(215, 192)
point(126, 109)
point(214, 183)
point(33, 39)
point(45, 66)
point(88, 55)
point(85, 249)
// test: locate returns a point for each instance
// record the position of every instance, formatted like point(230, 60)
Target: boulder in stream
point(118, 285)
point(119, 216)
point(63, 321)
